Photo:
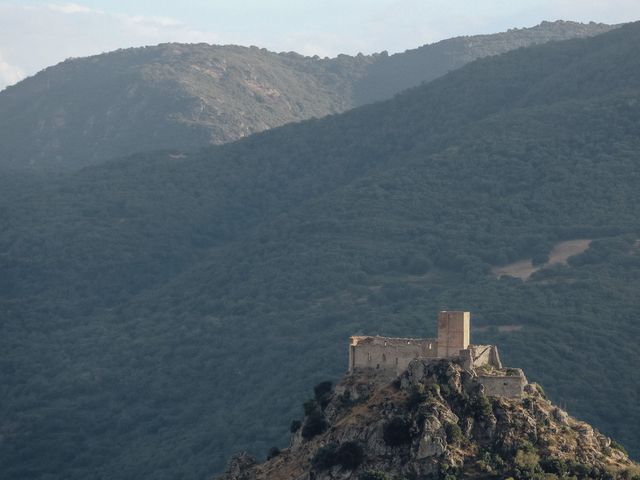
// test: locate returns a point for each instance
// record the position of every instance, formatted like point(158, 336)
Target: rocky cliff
point(435, 421)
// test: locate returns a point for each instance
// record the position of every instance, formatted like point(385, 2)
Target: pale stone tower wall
point(453, 333)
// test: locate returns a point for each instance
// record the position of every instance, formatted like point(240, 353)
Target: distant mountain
point(389, 75)
point(162, 311)
point(172, 96)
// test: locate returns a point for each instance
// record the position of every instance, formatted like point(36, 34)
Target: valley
point(166, 309)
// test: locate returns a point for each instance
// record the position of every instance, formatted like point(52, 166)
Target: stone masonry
point(390, 357)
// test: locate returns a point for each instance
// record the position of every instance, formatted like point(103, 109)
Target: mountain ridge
point(176, 96)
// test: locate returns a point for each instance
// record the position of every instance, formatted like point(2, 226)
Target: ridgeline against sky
point(184, 97)
point(35, 34)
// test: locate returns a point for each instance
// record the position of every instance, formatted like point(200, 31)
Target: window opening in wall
point(369, 356)
point(396, 360)
point(384, 357)
point(378, 366)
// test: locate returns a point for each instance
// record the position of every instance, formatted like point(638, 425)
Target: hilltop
point(183, 97)
point(435, 422)
point(162, 311)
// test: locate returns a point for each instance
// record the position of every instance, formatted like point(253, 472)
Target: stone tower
point(453, 333)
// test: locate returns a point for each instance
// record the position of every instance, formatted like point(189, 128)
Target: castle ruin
point(392, 356)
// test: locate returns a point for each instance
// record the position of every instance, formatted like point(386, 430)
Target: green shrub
point(527, 460)
point(374, 475)
point(273, 452)
point(526, 446)
point(454, 433)
point(322, 393)
point(447, 472)
point(556, 466)
point(325, 457)
point(322, 389)
point(581, 470)
point(397, 432)
point(418, 265)
point(490, 463)
point(345, 399)
point(310, 406)
point(481, 407)
point(417, 395)
point(618, 446)
point(539, 259)
point(315, 424)
point(295, 426)
point(349, 455)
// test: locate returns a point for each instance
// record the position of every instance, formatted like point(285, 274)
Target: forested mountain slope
point(85, 111)
point(163, 311)
point(391, 74)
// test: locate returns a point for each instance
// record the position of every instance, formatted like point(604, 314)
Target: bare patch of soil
point(523, 269)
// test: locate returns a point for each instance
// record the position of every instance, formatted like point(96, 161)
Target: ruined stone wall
point(485, 355)
point(511, 386)
point(391, 354)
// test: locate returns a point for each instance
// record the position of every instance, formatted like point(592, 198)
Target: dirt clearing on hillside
point(523, 269)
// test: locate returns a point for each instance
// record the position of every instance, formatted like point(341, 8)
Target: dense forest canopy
point(165, 310)
point(85, 111)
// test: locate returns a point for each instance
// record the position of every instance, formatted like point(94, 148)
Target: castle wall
point(485, 355)
point(453, 333)
point(385, 357)
point(392, 354)
point(511, 386)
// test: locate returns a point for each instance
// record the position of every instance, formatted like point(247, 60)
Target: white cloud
point(40, 36)
point(151, 20)
point(9, 74)
point(71, 8)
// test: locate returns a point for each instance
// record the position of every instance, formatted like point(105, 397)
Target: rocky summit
point(435, 421)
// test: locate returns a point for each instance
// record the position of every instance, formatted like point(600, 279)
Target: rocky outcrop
point(436, 421)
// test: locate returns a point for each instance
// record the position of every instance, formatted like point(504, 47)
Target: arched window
point(384, 357)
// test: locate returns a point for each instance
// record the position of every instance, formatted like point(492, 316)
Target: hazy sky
point(35, 34)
